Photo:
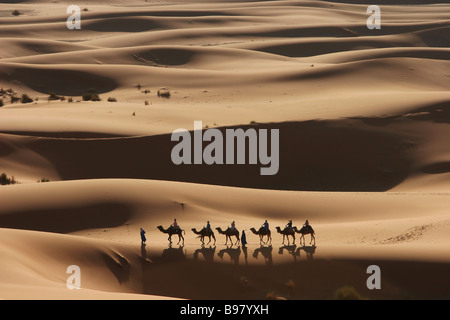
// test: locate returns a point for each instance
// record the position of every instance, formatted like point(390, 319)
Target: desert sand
point(364, 121)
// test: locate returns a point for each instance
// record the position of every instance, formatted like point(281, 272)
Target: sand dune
point(363, 117)
point(111, 260)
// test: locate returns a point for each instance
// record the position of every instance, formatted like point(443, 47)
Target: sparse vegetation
point(146, 102)
point(274, 296)
point(110, 99)
point(290, 284)
point(54, 96)
point(164, 93)
point(26, 99)
point(14, 99)
point(13, 96)
point(347, 293)
point(91, 95)
point(5, 180)
point(43, 180)
point(16, 12)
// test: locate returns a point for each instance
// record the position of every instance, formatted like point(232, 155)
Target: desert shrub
point(110, 99)
point(26, 99)
point(146, 102)
point(91, 95)
point(14, 99)
point(16, 13)
point(347, 293)
point(4, 180)
point(70, 99)
point(54, 96)
point(164, 93)
point(44, 180)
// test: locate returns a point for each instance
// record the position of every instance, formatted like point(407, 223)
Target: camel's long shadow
point(173, 254)
point(207, 252)
point(266, 252)
point(290, 250)
point(295, 252)
point(310, 251)
point(234, 254)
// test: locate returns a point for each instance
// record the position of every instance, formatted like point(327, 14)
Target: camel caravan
point(230, 233)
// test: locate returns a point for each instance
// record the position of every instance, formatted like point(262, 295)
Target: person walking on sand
point(243, 239)
point(143, 238)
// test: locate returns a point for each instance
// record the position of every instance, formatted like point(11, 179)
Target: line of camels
point(233, 232)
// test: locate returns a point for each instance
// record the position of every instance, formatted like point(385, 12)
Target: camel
point(306, 230)
point(171, 231)
point(205, 232)
point(263, 232)
point(228, 233)
point(286, 232)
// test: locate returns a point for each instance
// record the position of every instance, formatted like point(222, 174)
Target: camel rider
point(175, 224)
point(266, 225)
point(233, 225)
point(289, 225)
point(307, 226)
point(208, 226)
